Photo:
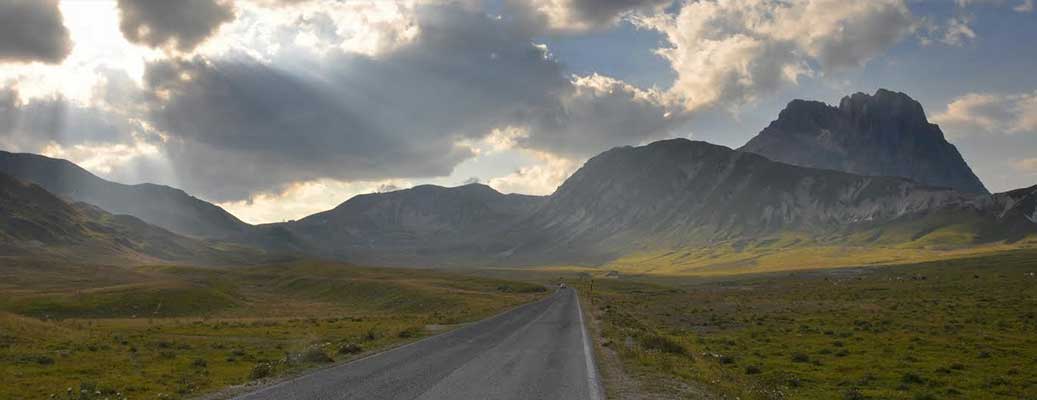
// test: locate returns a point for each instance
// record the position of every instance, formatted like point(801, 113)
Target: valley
point(704, 272)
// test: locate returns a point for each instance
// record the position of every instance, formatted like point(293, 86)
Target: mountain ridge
point(164, 206)
point(35, 222)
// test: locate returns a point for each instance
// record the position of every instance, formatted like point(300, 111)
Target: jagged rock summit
point(885, 134)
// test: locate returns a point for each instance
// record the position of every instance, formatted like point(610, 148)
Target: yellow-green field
point(948, 329)
point(797, 252)
point(96, 332)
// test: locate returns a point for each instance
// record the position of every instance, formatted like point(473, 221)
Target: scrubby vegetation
point(964, 329)
point(95, 332)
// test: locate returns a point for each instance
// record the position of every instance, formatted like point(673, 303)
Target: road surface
point(536, 351)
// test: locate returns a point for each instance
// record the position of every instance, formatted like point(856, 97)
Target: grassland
point(788, 252)
point(946, 329)
point(94, 332)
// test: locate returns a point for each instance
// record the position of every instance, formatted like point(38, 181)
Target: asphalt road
point(536, 351)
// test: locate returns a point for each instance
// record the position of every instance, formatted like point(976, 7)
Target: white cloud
point(301, 199)
point(585, 15)
point(978, 113)
point(958, 32)
point(1021, 6)
point(368, 27)
point(541, 178)
point(730, 52)
point(101, 159)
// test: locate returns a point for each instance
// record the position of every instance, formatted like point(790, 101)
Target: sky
point(276, 109)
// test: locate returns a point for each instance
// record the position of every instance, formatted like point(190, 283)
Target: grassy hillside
point(93, 332)
point(954, 329)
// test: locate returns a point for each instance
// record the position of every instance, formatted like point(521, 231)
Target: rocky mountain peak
point(884, 104)
point(883, 134)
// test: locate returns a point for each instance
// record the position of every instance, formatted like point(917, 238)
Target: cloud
point(41, 122)
point(987, 113)
point(301, 199)
point(237, 125)
point(538, 179)
point(598, 113)
point(32, 30)
point(957, 31)
point(101, 159)
point(730, 52)
point(584, 15)
point(1027, 165)
point(1021, 6)
point(181, 25)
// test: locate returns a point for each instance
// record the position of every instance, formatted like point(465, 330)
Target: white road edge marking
point(593, 384)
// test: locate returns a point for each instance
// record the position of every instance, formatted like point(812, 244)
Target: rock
point(885, 134)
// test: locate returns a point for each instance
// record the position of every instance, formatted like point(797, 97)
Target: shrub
point(911, 378)
point(410, 332)
point(260, 371)
point(350, 348)
point(663, 344)
point(752, 370)
point(314, 354)
point(853, 394)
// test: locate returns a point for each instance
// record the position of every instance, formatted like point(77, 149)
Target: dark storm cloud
point(179, 24)
point(239, 126)
point(30, 126)
point(243, 127)
point(32, 30)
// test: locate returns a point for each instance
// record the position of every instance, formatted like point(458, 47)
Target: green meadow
point(963, 328)
point(101, 332)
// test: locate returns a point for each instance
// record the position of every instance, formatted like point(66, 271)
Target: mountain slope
point(34, 222)
point(158, 205)
point(684, 194)
point(411, 226)
point(885, 134)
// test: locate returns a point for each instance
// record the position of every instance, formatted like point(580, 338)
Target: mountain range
point(871, 172)
point(36, 223)
point(160, 205)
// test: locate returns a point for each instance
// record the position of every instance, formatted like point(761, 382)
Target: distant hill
point(36, 223)
point(163, 206)
point(885, 134)
point(411, 226)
